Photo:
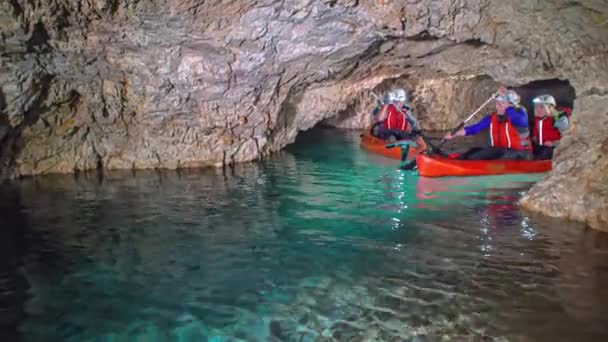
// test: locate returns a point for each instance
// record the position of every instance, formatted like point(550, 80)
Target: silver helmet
point(510, 97)
point(544, 99)
point(400, 95)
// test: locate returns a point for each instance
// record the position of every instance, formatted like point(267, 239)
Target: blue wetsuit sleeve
point(478, 127)
point(519, 117)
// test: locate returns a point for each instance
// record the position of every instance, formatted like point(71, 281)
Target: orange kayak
point(376, 145)
point(436, 166)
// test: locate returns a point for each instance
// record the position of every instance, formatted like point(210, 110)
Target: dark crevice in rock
point(474, 42)
point(17, 9)
point(423, 36)
point(6, 139)
point(12, 143)
point(113, 6)
point(61, 21)
point(2, 103)
point(561, 90)
point(38, 108)
point(39, 39)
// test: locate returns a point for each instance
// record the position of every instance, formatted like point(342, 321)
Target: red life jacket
point(544, 128)
point(566, 110)
point(504, 135)
point(395, 119)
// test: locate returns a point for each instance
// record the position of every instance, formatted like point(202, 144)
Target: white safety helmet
point(400, 95)
point(511, 97)
point(544, 99)
point(388, 97)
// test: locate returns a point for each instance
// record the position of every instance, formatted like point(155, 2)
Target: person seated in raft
point(550, 123)
point(395, 120)
point(508, 130)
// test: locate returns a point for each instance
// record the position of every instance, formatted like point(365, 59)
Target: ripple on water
point(322, 242)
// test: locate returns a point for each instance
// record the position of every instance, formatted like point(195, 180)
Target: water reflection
point(312, 244)
point(13, 229)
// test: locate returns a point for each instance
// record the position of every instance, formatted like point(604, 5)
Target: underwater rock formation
point(171, 84)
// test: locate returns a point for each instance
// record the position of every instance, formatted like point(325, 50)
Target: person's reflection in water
point(498, 211)
point(13, 285)
point(500, 215)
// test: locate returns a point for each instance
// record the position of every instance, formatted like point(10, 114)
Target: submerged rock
point(120, 85)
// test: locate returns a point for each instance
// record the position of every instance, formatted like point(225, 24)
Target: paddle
point(379, 103)
point(405, 144)
point(376, 97)
point(433, 148)
point(462, 124)
point(405, 149)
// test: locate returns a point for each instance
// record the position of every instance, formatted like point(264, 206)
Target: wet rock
point(174, 84)
point(577, 188)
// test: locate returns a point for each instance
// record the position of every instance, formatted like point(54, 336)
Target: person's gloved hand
point(548, 143)
point(502, 91)
point(449, 136)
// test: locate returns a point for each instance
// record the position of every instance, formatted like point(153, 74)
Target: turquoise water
point(322, 242)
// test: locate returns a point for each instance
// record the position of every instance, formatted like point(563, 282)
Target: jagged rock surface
point(577, 188)
point(439, 102)
point(180, 83)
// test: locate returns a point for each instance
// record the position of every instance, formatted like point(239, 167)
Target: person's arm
point(518, 117)
point(471, 130)
point(483, 124)
point(561, 123)
point(382, 115)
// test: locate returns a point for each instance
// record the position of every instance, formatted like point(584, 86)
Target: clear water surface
point(322, 242)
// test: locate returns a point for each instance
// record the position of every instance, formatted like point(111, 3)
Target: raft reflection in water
point(495, 206)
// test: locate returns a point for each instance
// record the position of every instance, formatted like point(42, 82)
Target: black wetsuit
point(494, 153)
point(543, 152)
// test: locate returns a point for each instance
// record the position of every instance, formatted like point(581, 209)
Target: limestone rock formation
point(439, 102)
point(577, 188)
point(180, 83)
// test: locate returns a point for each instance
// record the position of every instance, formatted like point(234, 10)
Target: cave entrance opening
point(561, 90)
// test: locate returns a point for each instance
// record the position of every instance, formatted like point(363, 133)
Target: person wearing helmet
point(508, 130)
point(550, 123)
point(402, 103)
point(395, 120)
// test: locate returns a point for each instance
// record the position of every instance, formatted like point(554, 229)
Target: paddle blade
point(402, 144)
point(409, 165)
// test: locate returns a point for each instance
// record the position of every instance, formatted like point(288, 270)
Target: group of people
point(509, 132)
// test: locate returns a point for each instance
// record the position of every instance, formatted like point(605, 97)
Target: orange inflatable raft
point(437, 166)
point(376, 145)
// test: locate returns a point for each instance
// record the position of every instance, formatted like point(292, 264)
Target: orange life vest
point(504, 135)
point(396, 119)
point(544, 128)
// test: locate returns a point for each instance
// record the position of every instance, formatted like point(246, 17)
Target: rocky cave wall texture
point(181, 83)
point(439, 102)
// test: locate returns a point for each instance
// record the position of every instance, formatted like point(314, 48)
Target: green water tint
point(321, 242)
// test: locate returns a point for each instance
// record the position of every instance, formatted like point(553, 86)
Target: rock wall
point(577, 188)
point(145, 84)
point(439, 102)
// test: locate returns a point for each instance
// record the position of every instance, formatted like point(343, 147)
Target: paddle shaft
point(461, 125)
